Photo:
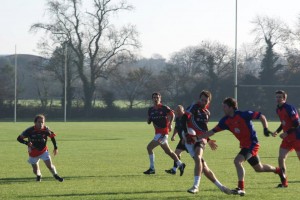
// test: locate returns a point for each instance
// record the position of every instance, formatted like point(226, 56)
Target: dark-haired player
point(37, 136)
point(161, 117)
point(196, 118)
point(289, 119)
point(240, 124)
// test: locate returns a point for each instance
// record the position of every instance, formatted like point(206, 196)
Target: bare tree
point(132, 84)
point(215, 61)
point(270, 32)
point(98, 45)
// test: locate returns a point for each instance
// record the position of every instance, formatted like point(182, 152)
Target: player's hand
point(283, 135)
point(29, 144)
point(149, 121)
point(173, 138)
point(55, 152)
point(170, 127)
point(274, 134)
point(267, 132)
point(212, 144)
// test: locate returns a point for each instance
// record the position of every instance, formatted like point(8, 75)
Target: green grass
point(105, 160)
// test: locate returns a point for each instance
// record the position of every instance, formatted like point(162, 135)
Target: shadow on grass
point(90, 139)
point(4, 181)
point(104, 194)
point(15, 180)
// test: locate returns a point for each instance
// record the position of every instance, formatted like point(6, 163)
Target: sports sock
point(218, 184)
point(197, 181)
point(241, 185)
point(38, 173)
point(152, 159)
point(179, 163)
point(175, 164)
point(53, 170)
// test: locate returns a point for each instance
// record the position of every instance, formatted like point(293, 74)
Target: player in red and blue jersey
point(289, 119)
point(161, 117)
point(240, 124)
point(36, 141)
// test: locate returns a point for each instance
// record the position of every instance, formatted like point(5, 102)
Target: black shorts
point(252, 160)
point(181, 146)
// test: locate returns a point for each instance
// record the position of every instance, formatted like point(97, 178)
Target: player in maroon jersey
point(161, 117)
point(240, 124)
point(36, 142)
point(289, 119)
point(196, 119)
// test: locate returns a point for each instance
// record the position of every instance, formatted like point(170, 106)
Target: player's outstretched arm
point(206, 134)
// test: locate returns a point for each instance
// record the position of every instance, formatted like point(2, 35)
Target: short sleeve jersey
point(288, 116)
point(38, 138)
point(199, 116)
point(158, 115)
point(241, 126)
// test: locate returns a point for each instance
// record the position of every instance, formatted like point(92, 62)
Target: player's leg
point(174, 168)
point(238, 162)
point(48, 162)
point(34, 161)
point(211, 176)
point(254, 161)
point(198, 168)
point(165, 146)
point(36, 170)
point(150, 148)
point(283, 154)
point(179, 149)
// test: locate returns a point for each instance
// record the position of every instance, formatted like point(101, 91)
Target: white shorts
point(161, 138)
point(35, 160)
point(191, 147)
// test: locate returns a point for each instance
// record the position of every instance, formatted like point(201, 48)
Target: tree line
point(103, 63)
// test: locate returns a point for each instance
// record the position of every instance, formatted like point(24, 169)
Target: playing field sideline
point(105, 160)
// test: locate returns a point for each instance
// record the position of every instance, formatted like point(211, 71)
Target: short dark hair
point(231, 102)
point(281, 92)
point(205, 93)
point(156, 93)
point(39, 116)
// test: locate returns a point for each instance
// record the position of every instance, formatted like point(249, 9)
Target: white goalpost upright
point(16, 77)
point(65, 100)
point(235, 56)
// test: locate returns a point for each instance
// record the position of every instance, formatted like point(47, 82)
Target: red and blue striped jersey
point(241, 126)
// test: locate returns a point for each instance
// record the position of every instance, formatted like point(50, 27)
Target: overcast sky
point(165, 26)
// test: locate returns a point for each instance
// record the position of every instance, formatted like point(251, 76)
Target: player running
point(196, 118)
point(161, 117)
point(289, 119)
point(179, 111)
point(37, 139)
point(240, 124)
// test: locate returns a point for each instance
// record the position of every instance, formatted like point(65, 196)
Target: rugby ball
point(191, 131)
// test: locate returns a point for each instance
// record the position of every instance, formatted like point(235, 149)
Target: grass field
point(105, 160)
